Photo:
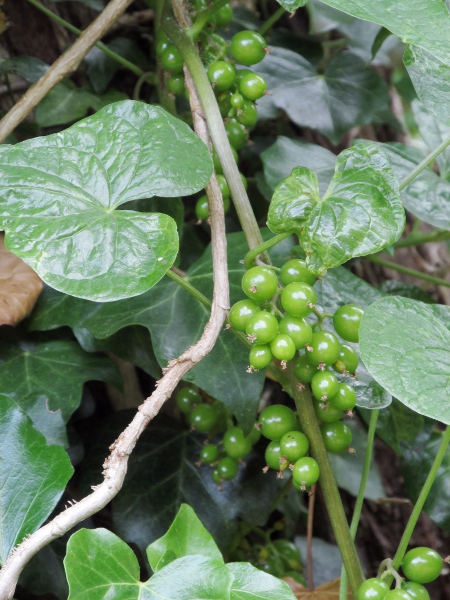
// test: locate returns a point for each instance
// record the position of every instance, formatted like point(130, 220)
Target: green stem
point(407, 271)
point(271, 21)
point(189, 288)
point(203, 17)
point(416, 239)
point(424, 164)
point(250, 257)
point(123, 61)
point(360, 497)
point(421, 500)
point(216, 128)
point(328, 484)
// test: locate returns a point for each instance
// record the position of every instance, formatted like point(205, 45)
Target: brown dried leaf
point(326, 591)
point(19, 287)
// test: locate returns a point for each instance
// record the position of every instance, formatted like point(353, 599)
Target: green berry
point(228, 468)
point(172, 60)
point(306, 472)
point(273, 455)
point(262, 327)
point(175, 84)
point(294, 445)
point(325, 348)
point(372, 589)
point(283, 347)
point(422, 565)
point(236, 133)
point(235, 443)
point(305, 370)
point(260, 357)
point(327, 413)
point(345, 399)
point(202, 208)
point(186, 398)
point(221, 74)
point(295, 270)
point(247, 115)
point(337, 436)
point(241, 312)
point(203, 417)
point(251, 85)
point(298, 299)
point(224, 16)
point(348, 359)
point(216, 476)
point(260, 284)
point(248, 47)
point(324, 385)
point(209, 454)
point(297, 328)
point(416, 590)
point(347, 320)
point(276, 420)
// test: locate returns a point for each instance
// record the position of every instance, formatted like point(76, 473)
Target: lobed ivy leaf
point(285, 154)
point(425, 23)
point(361, 212)
point(46, 379)
point(406, 349)
point(185, 536)
point(431, 79)
point(251, 583)
point(72, 182)
point(348, 93)
point(33, 476)
point(163, 474)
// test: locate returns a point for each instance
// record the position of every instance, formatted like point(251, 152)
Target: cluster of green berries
point(420, 565)
point(236, 90)
point(279, 557)
point(224, 456)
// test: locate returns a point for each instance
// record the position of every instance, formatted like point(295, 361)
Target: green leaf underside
point(185, 536)
point(360, 214)
point(99, 565)
point(428, 195)
point(406, 349)
point(425, 23)
point(348, 93)
point(32, 476)
point(71, 235)
point(431, 80)
point(163, 474)
point(292, 5)
point(175, 320)
point(46, 380)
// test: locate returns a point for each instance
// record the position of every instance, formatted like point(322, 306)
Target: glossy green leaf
point(285, 154)
point(32, 476)
point(100, 565)
point(407, 350)
point(292, 5)
point(251, 583)
point(44, 574)
point(28, 67)
point(396, 424)
point(360, 214)
point(428, 195)
point(175, 320)
point(66, 103)
point(434, 133)
point(348, 467)
point(425, 23)
point(101, 68)
point(46, 379)
point(72, 182)
point(185, 536)
point(396, 287)
point(348, 93)
point(431, 79)
point(162, 474)
point(415, 465)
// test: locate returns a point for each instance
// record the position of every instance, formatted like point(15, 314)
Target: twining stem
point(202, 17)
point(360, 498)
point(327, 483)
point(250, 257)
point(120, 59)
point(407, 271)
point(271, 20)
point(424, 493)
point(216, 127)
point(428, 160)
point(189, 288)
point(416, 239)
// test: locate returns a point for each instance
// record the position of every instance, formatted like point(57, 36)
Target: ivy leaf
point(348, 93)
point(250, 583)
point(185, 536)
point(46, 379)
point(99, 563)
point(32, 476)
point(431, 79)
point(162, 474)
point(73, 181)
point(425, 23)
point(66, 103)
point(406, 349)
point(360, 214)
point(28, 67)
point(417, 460)
point(286, 154)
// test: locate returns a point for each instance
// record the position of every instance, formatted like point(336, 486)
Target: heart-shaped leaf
point(431, 80)
point(72, 182)
point(407, 350)
point(360, 214)
point(185, 536)
point(100, 565)
point(425, 23)
point(348, 93)
point(32, 476)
